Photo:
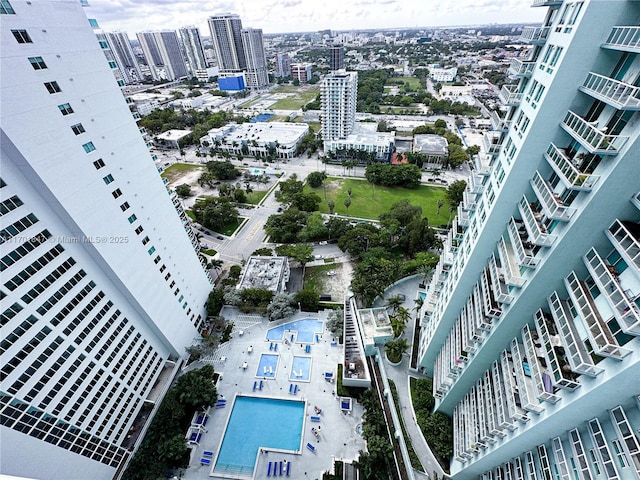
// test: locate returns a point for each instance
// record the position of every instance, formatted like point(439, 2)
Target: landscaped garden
point(371, 202)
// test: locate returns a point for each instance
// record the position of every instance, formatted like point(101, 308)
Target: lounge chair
point(291, 388)
point(245, 365)
point(315, 418)
point(207, 453)
point(311, 447)
point(271, 346)
point(205, 461)
point(269, 469)
point(261, 385)
point(288, 468)
point(295, 389)
point(281, 469)
point(255, 385)
point(275, 347)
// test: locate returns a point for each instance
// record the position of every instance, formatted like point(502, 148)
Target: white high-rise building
point(125, 58)
point(257, 73)
point(226, 35)
point(164, 54)
point(338, 96)
point(101, 289)
point(531, 323)
point(192, 49)
point(282, 65)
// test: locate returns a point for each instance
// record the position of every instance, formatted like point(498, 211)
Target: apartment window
point(124, 206)
point(617, 448)
point(21, 36)
point(88, 147)
point(93, 22)
point(139, 230)
point(10, 204)
point(103, 44)
point(172, 284)
point(6, 8)
point(78, 129)
point(152, 250)
point(65, 109)
point(108, 179)
point(99, 164)
point(116, 193)
point(52, 87)
point(163, 268)
point(145, 240)
point(167, 276)
point(37, 63)
point(113, 64)
point(132, 218)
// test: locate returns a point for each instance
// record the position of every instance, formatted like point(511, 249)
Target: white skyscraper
point(192, 49)
point(338, 95)
point(101, 289)
point(257, 73)
point(531, 323)
point(164, 54)
point(227, 42)
point(125, 58)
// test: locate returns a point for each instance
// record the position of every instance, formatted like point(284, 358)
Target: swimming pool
point(300, 369)
point(278, 426)
point(268, 365)
point(423, 295)
point(306, 331)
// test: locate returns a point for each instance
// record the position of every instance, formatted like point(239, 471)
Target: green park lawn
point(297, 97)
point(364, 206)
point(414, 82)
point(176, 170)
point(256, 196)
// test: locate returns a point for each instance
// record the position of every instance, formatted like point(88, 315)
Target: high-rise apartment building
point(125, 58)
point(164, 54)
point(282, 65)
point(227, 42)
point(101, 290)
point(192, 49)
point(336, 58)
point(338, 95)
point(257, 73)
point(531, 322)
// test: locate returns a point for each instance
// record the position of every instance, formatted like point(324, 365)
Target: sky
point(283, 16)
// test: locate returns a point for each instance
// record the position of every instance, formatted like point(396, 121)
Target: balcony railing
point(546, 3)
point(636, 200)
point(577, 355)
point(510, 96)
point(551, 203)
point(483, 322)
point(528, 397)
point(571, 176)
point(626, 39)
point(475, 184)
point(535, 35)
point(524, 256)
point(457, 231)
point(625, 236)
point(535, 230)
point(503, 419)
point(521, 68)
point(497, 281)
point(489, 301)
point(511, 389)
point(619, 95)
point(508, 263)
point(469, 200)
point(541, 379)
point(602, 340)
point(557, 364)
point(624, 308)
point(491, 143)
point(590, 137)
point(498, 123)
point(464, 217)
point(482, 163)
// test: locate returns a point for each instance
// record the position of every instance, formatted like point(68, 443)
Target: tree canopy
point(215, 212)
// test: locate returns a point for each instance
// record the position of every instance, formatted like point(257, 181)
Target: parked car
point(220, 237)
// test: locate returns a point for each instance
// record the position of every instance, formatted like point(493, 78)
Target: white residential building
point(125, 58)
point(101, 289)
point(193, 52)
point(227, 42)
point(257, 73)
point(531, 323)
point(338, 95)
point(164, 54)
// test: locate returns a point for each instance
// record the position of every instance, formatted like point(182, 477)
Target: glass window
point(5, 7)
point(124, 206)
point(108, 179)
point(99, 164)
point(151, 250)
point(52, 87)
point(21, 36)
point(93, 22)
point(116, 193)
point(139, 230)
point(65, 109)
point(132, 218)
point(37, 63)
point(78, 129)
point(89, 147)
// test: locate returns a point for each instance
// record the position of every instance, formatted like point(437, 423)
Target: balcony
point(497, 282)
point(457, 231)
point(464, 217)
point(590, 137)
point(510, 96)
point(491, 307)
point(482, 163)
point(550, 201)
point(600, 337)
point(491, 143)
point(626, 39)
point(136, 116)
point(624, 308)
point(524, 255)
point(577, 355)
point(475, 184)
point(503, 419)
point(625, 236)
point(498, 123)
point(636, 200)
point(535, 35)
point(526, 389)
point(556, 361)
point(469, 201)
point(483, 322)
point(536, 231)
point(448, 250)
point(511, 389)
point(474, 331)
point(521, 68)
point(571, 176)
point(546, 3)
point(541, 378)
point(510, 268)
point(619, 95)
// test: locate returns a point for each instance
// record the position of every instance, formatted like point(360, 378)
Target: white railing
point(624, 38)
point(533, 227)
point(535, 34)
point(551, 203)
point(625, 241)
point(498, 123)
point(593, 139)
point(619, 94)
point(572, 177)
point(510, 96)
point(521, 68)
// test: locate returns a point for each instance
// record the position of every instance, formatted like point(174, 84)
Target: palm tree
point(347, 203)
point(331, 204)
point(395, 303)
point(216, 264)
point(425, 272)
point(440, 204)
point(419, 303)
point(395, 348)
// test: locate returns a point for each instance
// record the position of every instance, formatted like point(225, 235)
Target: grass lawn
point(190, 214)
point(297, 97)
point(315, 127)
point(414, 82)
point(255, 196)
point(363, 206)
point(229, 228)
point(176, 170)
point(208, 251)
point(315, 277)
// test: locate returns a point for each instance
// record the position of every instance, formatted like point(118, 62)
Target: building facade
point(227, 42)
point(192, 50)
point(338, 95)
point(163, 53)
point(257, 73)
point(301, 72)
point(101, 289)
point(125, 58)
point(336, 58)
point(531, 323)
point(282, 65)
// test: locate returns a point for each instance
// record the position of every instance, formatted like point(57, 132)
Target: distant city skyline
point(274, 16)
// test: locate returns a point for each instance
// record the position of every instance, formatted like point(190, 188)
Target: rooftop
point(430, 144)
point(173, 135)
point(265, 272)
point(262, 132)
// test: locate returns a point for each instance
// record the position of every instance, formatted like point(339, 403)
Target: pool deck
point(337, 436)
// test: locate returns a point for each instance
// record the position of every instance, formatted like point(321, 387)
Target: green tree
point(315, 228)
point(300, 252)
point(239, 195)
point(454, 192)
point(183, 190)
point(308, 300)
point(215, 212)
point(335, 322)
point(285, 227)
point(315, 179)
point(306, 202)
point(281, 307)
point(331, 204)
point(223, 170)
point(401, 214)
point(440, 204)
point(215, 302)
point(288, 189)
point(347, 203)
point(263, 252)
point(395, 349)
point(196, 389)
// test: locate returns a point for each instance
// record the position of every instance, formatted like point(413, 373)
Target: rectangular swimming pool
point(300, 369)
point(306, 331)
point(268, 365)
point(255, 423)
